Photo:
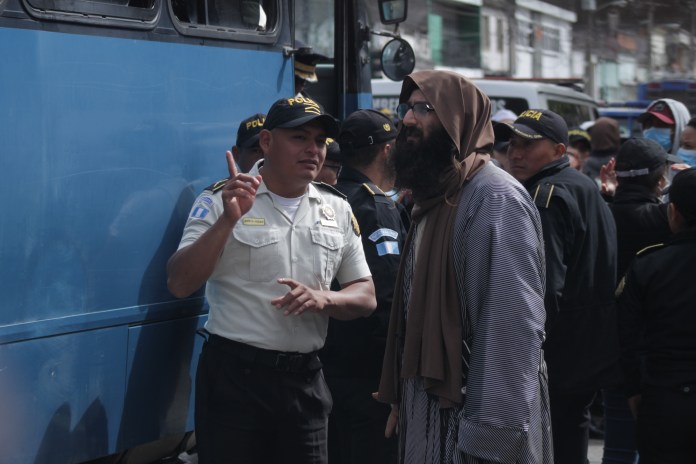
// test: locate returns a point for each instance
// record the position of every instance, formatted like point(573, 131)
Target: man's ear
point(560, 150)
point(265, 139)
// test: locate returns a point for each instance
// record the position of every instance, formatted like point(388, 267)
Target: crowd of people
point(445, 285)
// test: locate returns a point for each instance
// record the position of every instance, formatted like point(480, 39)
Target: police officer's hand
point(239, 192)
point(299, 299)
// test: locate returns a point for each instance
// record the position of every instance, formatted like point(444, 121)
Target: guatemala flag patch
point(199, 212)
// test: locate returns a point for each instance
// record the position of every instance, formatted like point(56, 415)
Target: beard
point(419, 165)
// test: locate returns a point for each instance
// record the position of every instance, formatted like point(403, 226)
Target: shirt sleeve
point(353, 264)
point(204, 212)
point(504, 288)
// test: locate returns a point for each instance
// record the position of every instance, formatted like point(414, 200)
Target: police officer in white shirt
point(268, 244)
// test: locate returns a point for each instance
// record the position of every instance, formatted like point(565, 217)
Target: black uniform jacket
point(657, 317)
point(641, 220)
point(581, 349)
point(356, 348)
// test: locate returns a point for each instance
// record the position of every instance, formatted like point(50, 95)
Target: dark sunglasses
point(420, 109)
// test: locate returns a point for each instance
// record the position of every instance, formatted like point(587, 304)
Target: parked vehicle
point(514, 95)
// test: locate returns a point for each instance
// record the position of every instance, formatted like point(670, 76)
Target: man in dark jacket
point(641, 221)
point(605, 142)
point(641, 218)
point(657, 326)
point(354, 349)
point(580, 237)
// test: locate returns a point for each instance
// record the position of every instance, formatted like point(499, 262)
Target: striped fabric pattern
point(498, 248)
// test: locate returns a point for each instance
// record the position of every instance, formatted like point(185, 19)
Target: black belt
point(278, 360)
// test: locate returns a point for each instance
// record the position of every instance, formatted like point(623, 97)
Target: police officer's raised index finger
point(231, 167)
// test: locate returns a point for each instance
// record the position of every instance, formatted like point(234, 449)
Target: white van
point(517, 96)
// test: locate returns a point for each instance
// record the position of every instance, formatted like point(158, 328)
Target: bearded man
point(463, 367)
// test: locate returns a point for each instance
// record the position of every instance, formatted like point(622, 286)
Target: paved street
point(595, 452)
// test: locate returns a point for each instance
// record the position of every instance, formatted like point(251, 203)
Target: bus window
point(144, 12)
point(245, 20)
point(314, 25)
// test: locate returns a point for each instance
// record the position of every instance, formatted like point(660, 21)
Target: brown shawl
point(430, 345)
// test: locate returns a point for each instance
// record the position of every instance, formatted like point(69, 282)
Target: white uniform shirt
point(322, 243)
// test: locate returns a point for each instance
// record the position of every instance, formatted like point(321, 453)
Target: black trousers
point(666, 426)
point(357, 422)
point(570, 424)
point(248, 413)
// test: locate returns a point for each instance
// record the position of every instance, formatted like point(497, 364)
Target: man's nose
point(409, 118)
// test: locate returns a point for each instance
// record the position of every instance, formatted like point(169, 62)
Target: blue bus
point(683, 90)
point(115, 115)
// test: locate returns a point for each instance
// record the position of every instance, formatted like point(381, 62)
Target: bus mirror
point(398, 59)
point(393, 11)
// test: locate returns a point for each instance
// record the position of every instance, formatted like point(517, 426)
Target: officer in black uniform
point(657, 326)
point(354, 350)
point(581, 348)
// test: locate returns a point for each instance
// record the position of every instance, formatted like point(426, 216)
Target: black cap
point(364, 128)
point(579, 135)
point(682, 192)
point(639, 156)
point(306, 62)
point(248, 132)
point(333, 151)
point(660, 110)
point(534, 124)
point(292, 112)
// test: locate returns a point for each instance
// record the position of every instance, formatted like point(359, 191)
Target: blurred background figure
point(687, 143)
point(246, 150)
point(605, 142)
point(331, 168)
point(306, 67)
point(579, 147)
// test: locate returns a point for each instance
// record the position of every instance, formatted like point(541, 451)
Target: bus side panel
point(162, 362)
point(61, 397)
point(106, 143)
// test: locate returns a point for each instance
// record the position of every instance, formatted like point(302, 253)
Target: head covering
point(535, 124)
point(333, 151)
point(658, 109)
point(432, 339)
point(639, 156)
point(503, 115)
point(579, 135)
point(681, 117)
point(682, 192)
point(364, 128)
point(460, 105)
point(287, 113)
point(606, 135)
point(306, 62)
point(249, 129)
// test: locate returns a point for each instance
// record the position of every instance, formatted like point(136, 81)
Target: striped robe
point(499, 264)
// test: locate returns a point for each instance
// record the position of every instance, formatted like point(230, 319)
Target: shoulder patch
point(649, 249)
point(354, 222)
point(542, 195)
point(329, 188)
point(373, 189)
point(217, 185)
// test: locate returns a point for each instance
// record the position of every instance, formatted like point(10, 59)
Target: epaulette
point(217, 185)
point(542, 195)
point(650, 248)
point(329, 188)
point(373, 189)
